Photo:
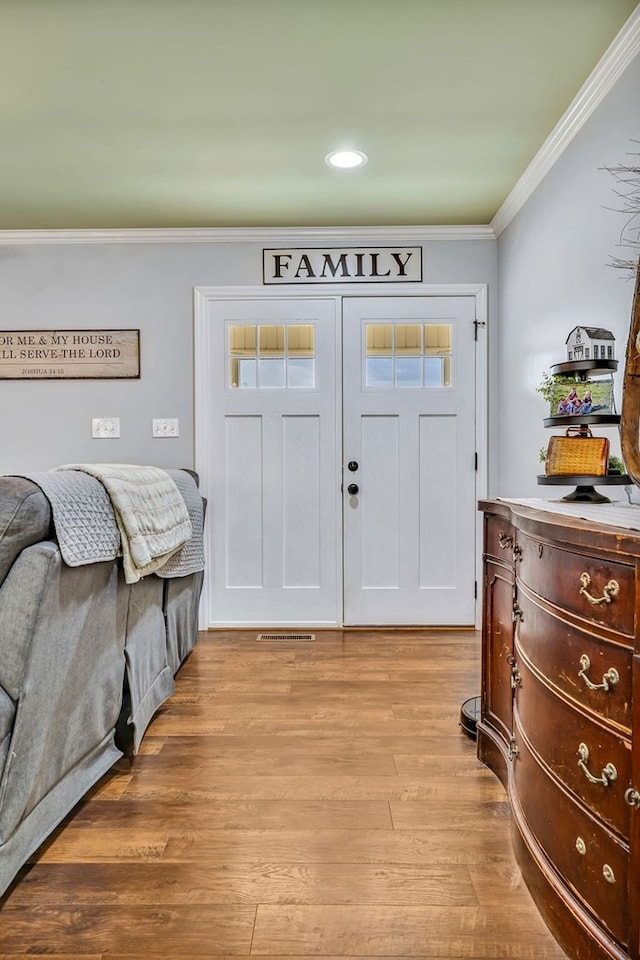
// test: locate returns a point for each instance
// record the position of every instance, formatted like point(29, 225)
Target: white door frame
point(202, 417)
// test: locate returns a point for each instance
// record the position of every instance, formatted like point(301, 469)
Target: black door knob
point(352, 465)
point(353, 488)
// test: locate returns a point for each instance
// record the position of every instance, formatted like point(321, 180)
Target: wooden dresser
point(560, 710)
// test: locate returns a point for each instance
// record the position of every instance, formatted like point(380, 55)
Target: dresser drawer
point(498, 660)
point(560, 734)
point(499, 538)
point(575, 661)
point(568, 579)
point(591, 860)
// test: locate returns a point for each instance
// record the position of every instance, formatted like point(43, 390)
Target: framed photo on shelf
point(581, 398)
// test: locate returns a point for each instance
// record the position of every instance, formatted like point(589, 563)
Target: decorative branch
point(627, 177)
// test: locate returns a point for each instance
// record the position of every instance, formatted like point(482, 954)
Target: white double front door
point(340, 460)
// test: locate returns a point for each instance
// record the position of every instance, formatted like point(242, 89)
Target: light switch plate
point(105, 428)
point(166, 428)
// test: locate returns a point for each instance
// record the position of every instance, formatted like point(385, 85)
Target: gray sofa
point(85, 661)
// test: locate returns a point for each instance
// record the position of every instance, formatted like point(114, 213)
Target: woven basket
point(577, 455)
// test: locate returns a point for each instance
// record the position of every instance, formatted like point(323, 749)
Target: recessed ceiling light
point(346, 159)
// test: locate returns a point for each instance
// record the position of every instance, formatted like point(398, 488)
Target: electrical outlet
point(105, 428)
point(166, 428)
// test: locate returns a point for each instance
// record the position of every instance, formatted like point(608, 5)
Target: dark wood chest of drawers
point(560, 714)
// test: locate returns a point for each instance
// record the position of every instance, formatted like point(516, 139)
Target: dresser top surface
point(614, 514)
point(616, 525)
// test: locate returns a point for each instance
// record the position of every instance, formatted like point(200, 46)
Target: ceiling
point(219, 113)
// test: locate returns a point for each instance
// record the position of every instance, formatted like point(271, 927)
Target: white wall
point(146, 286)
point(554, 274)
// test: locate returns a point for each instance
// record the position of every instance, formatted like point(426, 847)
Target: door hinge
point(476, 324)
point(475, 589)
point(475, 461)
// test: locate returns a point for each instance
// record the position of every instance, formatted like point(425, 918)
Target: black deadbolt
point(352, 465)
point(353, 488)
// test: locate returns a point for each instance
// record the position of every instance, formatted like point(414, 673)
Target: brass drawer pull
point(581, 846)
point(608, 873)
point(609, 772)
point(516, 679)
point(610, 590)
point(609, 679)
point(504, 540)
point(632, 797)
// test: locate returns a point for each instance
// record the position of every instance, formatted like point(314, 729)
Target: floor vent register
point(286, 636)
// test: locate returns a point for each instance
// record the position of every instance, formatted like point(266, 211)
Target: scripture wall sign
point(342, 265)
point(69, 354)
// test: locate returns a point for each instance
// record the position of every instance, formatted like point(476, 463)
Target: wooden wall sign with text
point(69, 354)
point(342, 265)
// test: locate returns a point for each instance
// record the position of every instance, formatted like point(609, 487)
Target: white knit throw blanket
point(150, 512)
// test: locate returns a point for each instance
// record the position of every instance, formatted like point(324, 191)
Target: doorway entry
point(337, 445)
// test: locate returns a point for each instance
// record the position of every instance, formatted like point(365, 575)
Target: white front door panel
point(273, 518)
point(409, 425)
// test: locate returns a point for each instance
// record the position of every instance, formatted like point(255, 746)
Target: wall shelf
point(593, 368)
point(585, 491)
point(576, 419)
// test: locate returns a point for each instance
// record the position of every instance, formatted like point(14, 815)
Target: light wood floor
point(292, 800)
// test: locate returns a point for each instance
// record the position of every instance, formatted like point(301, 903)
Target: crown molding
point(359, 235)
point(617, 58)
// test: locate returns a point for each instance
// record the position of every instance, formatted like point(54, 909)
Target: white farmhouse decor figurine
point(590, 343)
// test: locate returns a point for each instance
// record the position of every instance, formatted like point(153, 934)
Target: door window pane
point(242, 340)
point(301, 340)
point(408, 371)
point(271, 340)
point(242, 344)
point(433, 372)
point(272, 355)
point(409, 339)
point(247, 372)
point(408, 354)
point(437, 338)
point(379, 339)
point(271, 372)
point(300, 373)
point(379, 371)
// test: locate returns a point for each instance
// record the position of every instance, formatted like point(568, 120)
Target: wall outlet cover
point(105, 428)
point(166, 427)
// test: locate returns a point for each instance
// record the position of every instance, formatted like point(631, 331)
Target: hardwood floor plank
point(237, 706)
point(240, 814)
point(425, 814)
point(181, 931)
point(154, 787)
point(412, 931)
point(96, 832)
point(191, 883)
point(459, 845)
point(90, 844)
point(265, 756)
point(184, 723)
point(58, 956)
